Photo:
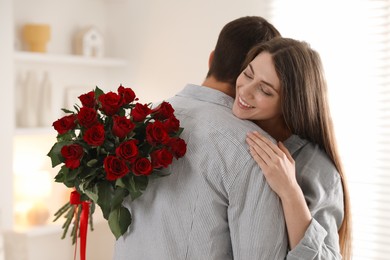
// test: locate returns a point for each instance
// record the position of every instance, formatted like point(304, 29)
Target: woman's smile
point(243, 104)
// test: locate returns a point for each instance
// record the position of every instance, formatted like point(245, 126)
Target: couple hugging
point(262, 178)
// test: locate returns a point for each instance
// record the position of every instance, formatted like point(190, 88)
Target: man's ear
point(211, 58)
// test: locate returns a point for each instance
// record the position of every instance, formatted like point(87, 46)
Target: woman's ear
point(211, 58)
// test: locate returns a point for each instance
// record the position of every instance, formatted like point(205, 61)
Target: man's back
point(216, 204)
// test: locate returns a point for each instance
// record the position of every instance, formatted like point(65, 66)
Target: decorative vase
point(30, 118)
point(38, 214)
point(19, 100)
point(44, 109)
point(36, 36)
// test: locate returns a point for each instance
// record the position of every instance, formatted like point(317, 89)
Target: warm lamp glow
point(31, 190)
point(33, 186)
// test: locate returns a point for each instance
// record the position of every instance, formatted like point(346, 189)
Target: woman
point(283, 90)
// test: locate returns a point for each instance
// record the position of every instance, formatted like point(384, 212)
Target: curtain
point(353, 39)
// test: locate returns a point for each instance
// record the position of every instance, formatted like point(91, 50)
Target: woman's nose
point(247, 89)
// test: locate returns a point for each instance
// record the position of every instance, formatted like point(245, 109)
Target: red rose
point(72, 155)
point(111, 102)
point(87, 117)
point(127, 94)
point(161, 158)
point(163, 111)
point(122, 126)
point(142, 166)
point(178, 147)
point(140, 112)
point(115, 168)
point(172, 124)
point(65, 124)
point(156, 133)
point(88, 100)
point(95, 135)
point(127, 150)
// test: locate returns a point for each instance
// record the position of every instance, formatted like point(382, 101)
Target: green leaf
point(136, 185)
point(109, 146)
point(67, 111)
point(119, 183)
point(121, 112)
point(55, 153)
point(119, 221)
point(69, 176)
point(68, 136)
point(141, 182)
point(76, 107)
point(60, 177)
point(93, 195)
point(105, 195)
point(118, 198)
point(88, 174)
point(158, 173)
point(92, 162)
point(98, 92)
point(91, 211)
point(180, 131)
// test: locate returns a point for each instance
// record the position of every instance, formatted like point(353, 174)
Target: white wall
point(64, 17)
point(168, 42)
point(6, 108)
point(346, 51)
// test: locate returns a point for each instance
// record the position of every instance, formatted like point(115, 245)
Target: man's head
point(234, 42)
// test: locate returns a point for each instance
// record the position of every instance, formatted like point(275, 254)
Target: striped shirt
point(321, 185)
point(216, 204)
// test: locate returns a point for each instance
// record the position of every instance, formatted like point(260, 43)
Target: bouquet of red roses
point(109, 147)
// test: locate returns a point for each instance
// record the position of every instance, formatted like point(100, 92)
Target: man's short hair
point(234, 42)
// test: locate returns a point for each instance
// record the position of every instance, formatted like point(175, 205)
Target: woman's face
point(258, 92)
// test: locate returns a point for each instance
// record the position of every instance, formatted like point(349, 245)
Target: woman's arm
point(279, 170)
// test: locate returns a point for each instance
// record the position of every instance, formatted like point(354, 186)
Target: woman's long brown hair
point(306, 110)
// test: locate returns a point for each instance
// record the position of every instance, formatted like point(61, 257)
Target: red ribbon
point(75, 200)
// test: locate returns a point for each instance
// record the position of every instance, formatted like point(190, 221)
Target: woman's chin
point(236, 113)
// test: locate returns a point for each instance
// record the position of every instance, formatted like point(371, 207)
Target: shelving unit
point(34, 131)
point(47, 58)
point(31, 144)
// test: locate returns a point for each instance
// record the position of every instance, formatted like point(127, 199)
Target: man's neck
point(224, 87)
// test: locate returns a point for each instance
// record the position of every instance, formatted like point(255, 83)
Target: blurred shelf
point(36, 231)
point(47, 58)
point(35, 131)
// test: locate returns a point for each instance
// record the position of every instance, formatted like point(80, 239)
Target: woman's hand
point(279, 170)
point(276, 163)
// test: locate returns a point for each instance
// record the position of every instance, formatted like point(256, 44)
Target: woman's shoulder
point(312, 163)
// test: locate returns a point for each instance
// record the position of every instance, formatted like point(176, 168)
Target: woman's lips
point(242, 104)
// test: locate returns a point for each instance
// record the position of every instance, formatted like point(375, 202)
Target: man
point(216, 204)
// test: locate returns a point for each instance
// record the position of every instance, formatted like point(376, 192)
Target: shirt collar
point(294, 143)
point(206, 94)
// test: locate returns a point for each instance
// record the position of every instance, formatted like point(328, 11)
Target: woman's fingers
point(267, 145)
point(286, 152)
point(258, 148)
point(275, 160)
point(257, 157)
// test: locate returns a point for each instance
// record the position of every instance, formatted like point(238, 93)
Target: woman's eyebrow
point(263, 81)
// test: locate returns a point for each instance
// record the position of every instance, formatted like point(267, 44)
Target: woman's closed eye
point(265, 89)
point(248, 74)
